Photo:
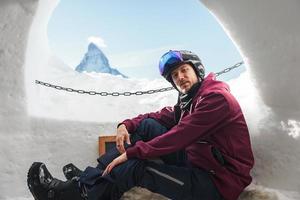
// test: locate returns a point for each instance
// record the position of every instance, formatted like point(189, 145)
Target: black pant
point(172, 178)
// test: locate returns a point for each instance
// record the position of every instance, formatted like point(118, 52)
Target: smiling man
point(203, 143)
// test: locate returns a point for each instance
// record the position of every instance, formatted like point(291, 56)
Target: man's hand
point(122, 158)
point(122, 136)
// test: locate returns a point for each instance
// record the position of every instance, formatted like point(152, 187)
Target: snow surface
point(42, 124)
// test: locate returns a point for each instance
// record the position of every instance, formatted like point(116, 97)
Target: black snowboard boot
point(44, 187)
point(70, 171)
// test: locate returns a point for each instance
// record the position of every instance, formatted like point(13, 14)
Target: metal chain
point(230, 68)
point(126, 93)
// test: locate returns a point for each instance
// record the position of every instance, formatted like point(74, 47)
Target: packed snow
point(56, 127)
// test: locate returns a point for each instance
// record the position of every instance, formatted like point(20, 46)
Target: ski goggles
point(168, 60)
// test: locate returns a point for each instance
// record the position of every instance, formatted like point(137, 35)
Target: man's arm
point(164, 116)
point(209, 112)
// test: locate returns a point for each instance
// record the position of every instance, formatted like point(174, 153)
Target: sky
point(134, 34)
point(26, 139)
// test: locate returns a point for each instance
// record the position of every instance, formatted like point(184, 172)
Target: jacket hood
point(211, 84)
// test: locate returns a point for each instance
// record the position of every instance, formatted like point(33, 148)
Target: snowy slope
point(50, 103)
point(268, 94)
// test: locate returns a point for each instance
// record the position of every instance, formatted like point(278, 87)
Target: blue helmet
point(174, 58)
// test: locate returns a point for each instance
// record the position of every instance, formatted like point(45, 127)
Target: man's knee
point(148, 122)
point(150, 128)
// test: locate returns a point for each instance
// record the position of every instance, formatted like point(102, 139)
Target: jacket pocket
point(212, 159)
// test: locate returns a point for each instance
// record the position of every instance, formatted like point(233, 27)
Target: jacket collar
point(185, 100)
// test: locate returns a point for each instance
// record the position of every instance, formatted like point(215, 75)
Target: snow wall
point(266, 33)
point(25, 139)
point(267, 36)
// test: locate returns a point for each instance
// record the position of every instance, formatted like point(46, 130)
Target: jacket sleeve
point(209, 112)
point(165, 117)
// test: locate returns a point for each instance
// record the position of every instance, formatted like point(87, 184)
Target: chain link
point(230, 68)
point(126, 93)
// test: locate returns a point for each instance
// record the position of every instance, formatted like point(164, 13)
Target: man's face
point(184, 77)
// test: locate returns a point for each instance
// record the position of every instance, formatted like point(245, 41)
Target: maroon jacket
point(215, 119)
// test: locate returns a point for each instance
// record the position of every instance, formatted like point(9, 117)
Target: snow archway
point(267, 34)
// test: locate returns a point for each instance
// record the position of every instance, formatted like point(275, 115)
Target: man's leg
point(149, 129)
point(179, 182)
point(170, 181)
point(146, 131)
point(111, 186)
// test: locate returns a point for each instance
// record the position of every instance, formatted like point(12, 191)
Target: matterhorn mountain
point(95, 61)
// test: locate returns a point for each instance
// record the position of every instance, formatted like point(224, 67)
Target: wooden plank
point(106, 142)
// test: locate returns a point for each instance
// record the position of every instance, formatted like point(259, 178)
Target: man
point(203, 142)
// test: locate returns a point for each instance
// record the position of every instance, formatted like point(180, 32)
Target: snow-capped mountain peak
point(96, 61)
point(93, 48)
